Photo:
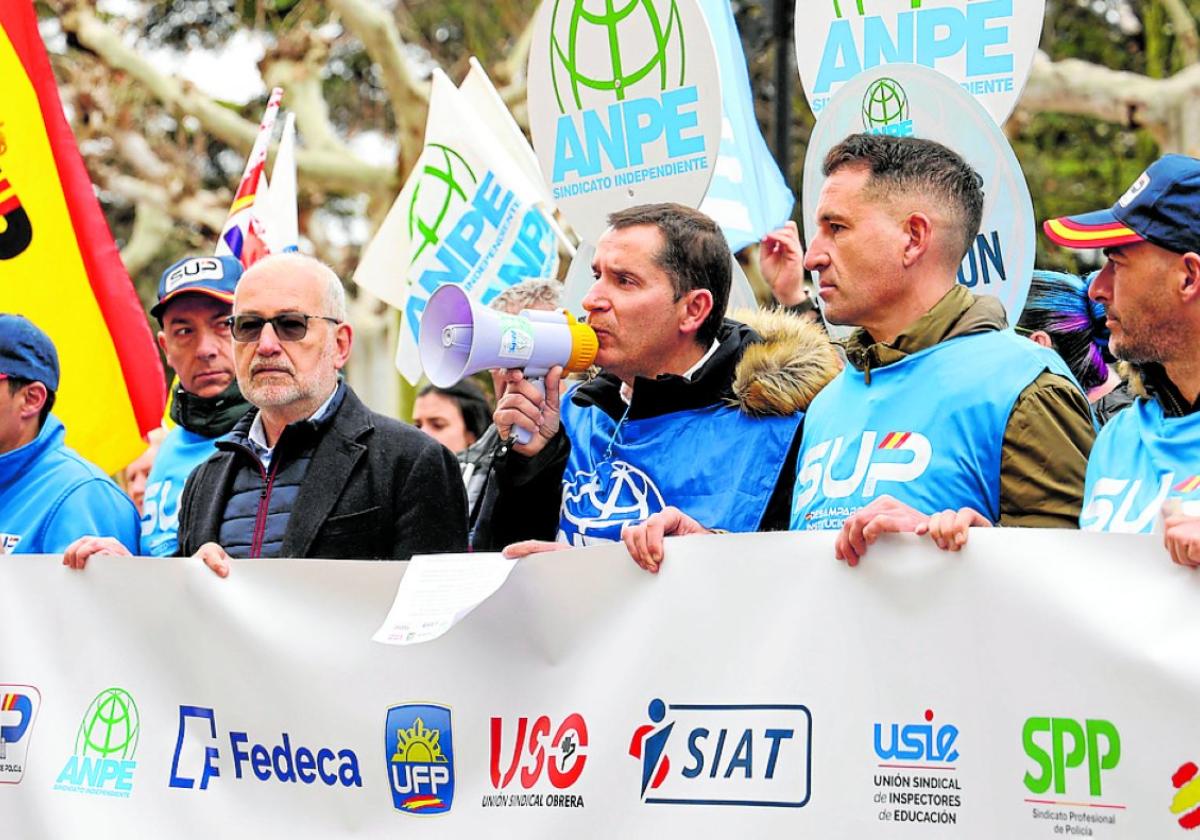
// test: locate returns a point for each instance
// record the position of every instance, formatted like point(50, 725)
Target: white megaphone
point(460, 337)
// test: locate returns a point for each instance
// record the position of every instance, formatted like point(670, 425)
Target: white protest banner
point(986, 46)
point(1037, 684)
point(909, 100)
point(466, 215)
point(624, 105)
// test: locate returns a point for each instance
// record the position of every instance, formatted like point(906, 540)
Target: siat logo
point(872, 465)
point(18, 709)
point(596, 504)
point(107, 740)
point(419, 744)
point(755, 755)
point(437, 193)
point(885, 109)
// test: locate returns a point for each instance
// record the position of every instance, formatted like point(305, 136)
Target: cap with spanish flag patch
point(1162, 206)
point(216, 277)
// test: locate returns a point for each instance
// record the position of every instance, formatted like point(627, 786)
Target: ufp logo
point(885, 109)
point(105, 745)
point(1059, 745)
point(872, 465)
point(917, 742)
point(19, 705)
point(561, 752)
point(1187, 796)
point(419, 748)
point(749, 755)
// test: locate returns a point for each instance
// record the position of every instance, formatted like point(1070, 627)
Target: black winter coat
point(376, 489)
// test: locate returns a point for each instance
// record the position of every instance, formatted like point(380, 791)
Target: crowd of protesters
point(931, 417)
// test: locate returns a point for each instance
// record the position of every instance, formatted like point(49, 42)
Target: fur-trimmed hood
point(781, 374)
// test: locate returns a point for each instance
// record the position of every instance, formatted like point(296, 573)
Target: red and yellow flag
point(59, 266)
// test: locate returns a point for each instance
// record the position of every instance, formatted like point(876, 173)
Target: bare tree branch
point(1187, 40)
point(151, 232)
point(332, 170)
point(1168, 108)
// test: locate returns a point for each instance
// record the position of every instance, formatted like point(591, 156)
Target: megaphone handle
point(520, 434)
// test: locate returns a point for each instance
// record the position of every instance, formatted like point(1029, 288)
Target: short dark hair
point(1058, 305)
point(16, 383)
point(915, 166)
point(695, 255)
point(471, 401)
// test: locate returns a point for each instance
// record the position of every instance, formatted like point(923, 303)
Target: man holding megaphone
point(689, 409)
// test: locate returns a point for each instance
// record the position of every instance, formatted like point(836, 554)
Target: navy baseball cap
point(26, 352)
point(1162, 207)
point(216, 277)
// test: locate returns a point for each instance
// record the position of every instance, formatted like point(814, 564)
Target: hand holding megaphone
point(459, 337)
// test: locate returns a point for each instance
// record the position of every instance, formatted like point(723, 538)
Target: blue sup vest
point(928, 430)
point(1141, 458)
point(181, 452)
point(715, 463)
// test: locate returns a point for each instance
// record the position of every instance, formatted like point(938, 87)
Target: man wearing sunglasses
point(310, 471)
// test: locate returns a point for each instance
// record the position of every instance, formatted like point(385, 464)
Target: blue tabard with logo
point(1141, 458)
point(181, 452)
point(715, 463)
point(928, 430)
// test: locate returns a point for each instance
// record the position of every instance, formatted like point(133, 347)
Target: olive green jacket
point(1049, 433)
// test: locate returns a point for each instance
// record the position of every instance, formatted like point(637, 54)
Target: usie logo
point(749, 755)
point(917, 742)
point(561, 752)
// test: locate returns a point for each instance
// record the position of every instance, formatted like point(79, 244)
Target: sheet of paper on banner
point(466, 215)
point(624, 106)
point(748, 195)
point(986, 46)
point(910, 100)
point(437, 592)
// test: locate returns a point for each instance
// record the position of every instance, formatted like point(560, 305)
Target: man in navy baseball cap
point(49, 495)
point(1146, 460)
point(195, 298)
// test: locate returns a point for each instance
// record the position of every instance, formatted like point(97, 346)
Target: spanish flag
point(59, 266)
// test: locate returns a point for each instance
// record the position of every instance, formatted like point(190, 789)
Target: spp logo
point(917, 742)
point(539, 748)
point(898, 458)
point(19, 706)
point(596, 504)
point(1187, 796)
point(105, 745)
point(197, 758)
point(1059, 746)
point(885, 109)
point(419, 748)
point(748, 755)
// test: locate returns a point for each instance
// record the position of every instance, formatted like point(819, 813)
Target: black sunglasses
point(288, 326)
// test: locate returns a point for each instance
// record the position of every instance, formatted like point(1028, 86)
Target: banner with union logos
point(1038, 684)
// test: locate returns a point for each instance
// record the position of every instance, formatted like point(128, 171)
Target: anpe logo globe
point(573, 70)
point(110, 727)
point(885, 103)
point(446, 180)
point(105, 744)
